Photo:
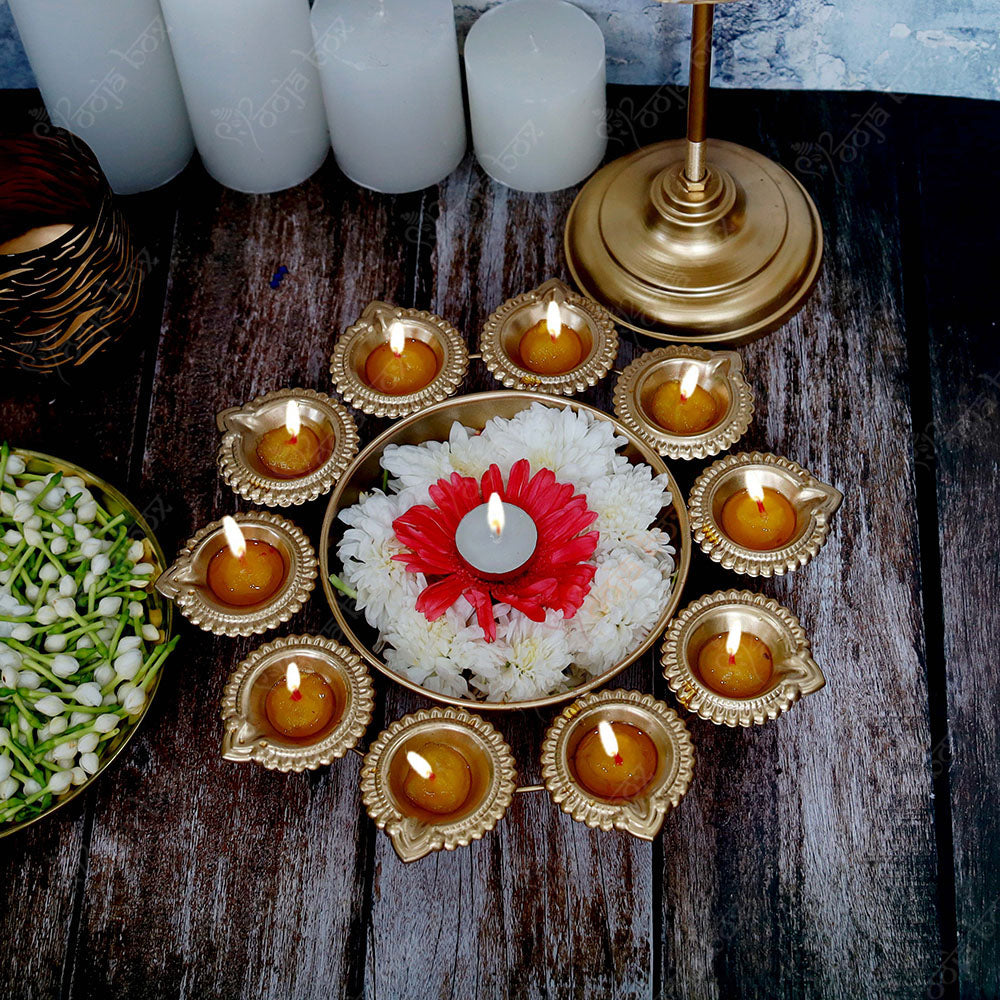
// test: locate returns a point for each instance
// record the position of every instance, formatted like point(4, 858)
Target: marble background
point(913, 46)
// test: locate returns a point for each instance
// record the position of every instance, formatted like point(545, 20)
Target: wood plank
point(237, 881)
point(90, 417)
point(960, 451)
point(803, 862)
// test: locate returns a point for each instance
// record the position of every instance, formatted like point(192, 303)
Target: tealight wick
point(495, 516)
point(293, 422)
point(234, 537)
point(397, 338)
point(733, 641)
point(756, 490)
point(553, 320)
point(420, 765)
point(293, 681)
point(689, 382)
point(609, 741)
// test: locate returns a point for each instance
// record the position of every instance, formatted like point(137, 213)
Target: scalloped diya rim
point(370, 331)
point(506, 325)
point(248, 734)
point(184, 581)
point(641, 815)
point(795, 675)
point(721, 374)
point(814, 502)
point(490, 400)
point(414, 832)
point(242, 426)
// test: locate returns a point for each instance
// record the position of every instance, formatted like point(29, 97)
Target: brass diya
point(813, 502)
point(347, 363)
point(243, 426)
point(720, 373)
point(249, 733)
point(641, 814)
point(501, 338)
point(434, 424)
point(415, 831)
point(794, 673)
point(186, 581)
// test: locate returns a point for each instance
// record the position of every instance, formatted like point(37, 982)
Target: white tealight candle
point(106, 74)
point(537, 94)
point(496, 539)
point(393, 89)
point(248, 72)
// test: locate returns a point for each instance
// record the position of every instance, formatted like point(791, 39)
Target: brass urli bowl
point(433, 424)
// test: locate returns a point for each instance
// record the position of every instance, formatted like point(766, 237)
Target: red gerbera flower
point(557, 576)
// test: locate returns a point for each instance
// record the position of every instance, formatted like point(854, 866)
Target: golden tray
point(116, 503)
point(434, 423)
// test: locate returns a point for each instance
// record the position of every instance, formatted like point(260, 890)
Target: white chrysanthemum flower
point(418, 467)
point(625, 599)
point(577, 447)
point(537, 656)
point(626, 504)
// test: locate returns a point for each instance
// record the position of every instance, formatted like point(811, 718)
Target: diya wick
point(249, 582)
point(795, 510)
point(437, 780)
point(522, 351)
point(263, 461)
point(713, 414)
point(792, 672)
point(393, 362)
point(618, 760)
point(337, 683)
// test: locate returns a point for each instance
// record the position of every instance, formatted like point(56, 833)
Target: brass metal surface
point(243, 426)
point(347, 363)
point(248, 734)
point(434, 424)
point(501, 337)
point(414, 831)
point(641, 815)
point(185, 582)
point(720, 373)
point(795, 671)
point(814, 504)
point(115, 502)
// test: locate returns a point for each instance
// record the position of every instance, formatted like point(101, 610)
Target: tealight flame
point(609, 741)
point(553, 320)
point(755, 487)
point(420, 765)
point(733, 640)
point(397, 338)
point(689, 382)
point(495, 516)
point(293, 422)
point(234, 537)
point(293, 681)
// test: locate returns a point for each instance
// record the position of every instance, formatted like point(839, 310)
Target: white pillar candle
point(393, 89)
point(497, 539)
point(536, 93)
point(250, 82)
point(106, 73)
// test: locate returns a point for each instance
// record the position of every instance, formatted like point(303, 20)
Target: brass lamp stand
point(695, 239)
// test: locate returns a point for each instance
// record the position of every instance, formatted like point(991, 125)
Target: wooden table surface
point(849, 849)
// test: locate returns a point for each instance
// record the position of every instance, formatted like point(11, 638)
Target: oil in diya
point(291, 451)
point(736, 665)
point(244, 573)
point(550, 347)
point(402, 366)
point(301, 705)
point(616, 760)
point(438, 779)
point(758, 517)
point(684, 407)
